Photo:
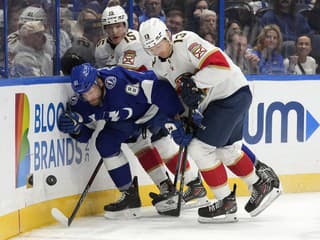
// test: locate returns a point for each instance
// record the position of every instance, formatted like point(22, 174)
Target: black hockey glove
point(190, 94)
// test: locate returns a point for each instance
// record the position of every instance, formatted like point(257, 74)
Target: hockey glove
point(190, 94)
point(175, 128)
point(70, 122)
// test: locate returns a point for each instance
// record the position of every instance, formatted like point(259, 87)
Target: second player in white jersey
point(128, 52)
point(210, 67)
point(121, 45)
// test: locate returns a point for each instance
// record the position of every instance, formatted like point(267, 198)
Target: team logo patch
point(110, 82)
point(128, 57)
point(197, 50)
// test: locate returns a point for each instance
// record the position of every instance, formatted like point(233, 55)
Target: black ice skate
point(166, 186)
point(222, 211)
point(264, 171)
point(263, 194)
point(166, 201)
point(196, 195)
point(128, 205)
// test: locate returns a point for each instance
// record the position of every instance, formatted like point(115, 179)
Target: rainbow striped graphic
point(22, 154)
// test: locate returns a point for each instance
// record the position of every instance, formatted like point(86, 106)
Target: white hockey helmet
point(33, 14)
point(114, 14)
point(152, 31)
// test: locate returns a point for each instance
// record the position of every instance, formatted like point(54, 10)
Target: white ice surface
point(290, 217)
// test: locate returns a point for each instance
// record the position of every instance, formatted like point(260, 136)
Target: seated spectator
point(112, 3)
point(85, 14)
point(84, 46)
point(38, 14)
point(231, 27)
point(168, 5)
point(208, 22)
point(313, 17)
point(31, 59)
point(192, 14)
point(66, 21)
point(291, 23)
point(95, 6)
point(152, 8)
point(268, 49)
point(237, 50)
point(301, 62)
point(175, 21)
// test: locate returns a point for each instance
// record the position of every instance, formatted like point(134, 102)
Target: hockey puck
point(51, 180)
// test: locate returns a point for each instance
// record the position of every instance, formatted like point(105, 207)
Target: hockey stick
point(184, 153)
point(60, 217)
point(178, 166)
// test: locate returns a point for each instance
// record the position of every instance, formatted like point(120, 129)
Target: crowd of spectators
point(278, 38)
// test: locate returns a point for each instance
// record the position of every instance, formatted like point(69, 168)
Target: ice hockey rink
point(292, 216)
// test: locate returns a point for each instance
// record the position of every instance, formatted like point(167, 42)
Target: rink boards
point(282, 128)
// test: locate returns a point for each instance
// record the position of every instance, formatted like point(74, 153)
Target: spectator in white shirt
point(301, 62)
point(31, 58)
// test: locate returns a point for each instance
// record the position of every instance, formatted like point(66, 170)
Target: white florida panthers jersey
point(129, 53)
point(212, 70)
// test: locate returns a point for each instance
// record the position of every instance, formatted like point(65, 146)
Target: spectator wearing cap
point(31, 59)
point(33, 13)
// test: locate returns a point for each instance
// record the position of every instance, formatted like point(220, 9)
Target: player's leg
point(195, 194)
point(151, 162)
point(263, 170)
point(215, 175)
point(129, 203)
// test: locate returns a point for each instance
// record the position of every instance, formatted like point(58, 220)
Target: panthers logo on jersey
point(197, 50)
point(129, 57)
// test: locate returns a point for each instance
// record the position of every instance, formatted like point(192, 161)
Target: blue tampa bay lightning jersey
point(130, 95)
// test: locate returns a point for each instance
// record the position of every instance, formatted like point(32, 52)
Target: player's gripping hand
point(70, 122)
point(176, 129)
point(190, 94)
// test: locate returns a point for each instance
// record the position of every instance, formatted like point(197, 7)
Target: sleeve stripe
point(215, 59)
point(147, 86)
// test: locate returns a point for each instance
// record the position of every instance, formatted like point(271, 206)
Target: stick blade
point(59, 216)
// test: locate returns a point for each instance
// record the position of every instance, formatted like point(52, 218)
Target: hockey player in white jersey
point(122, 46)
point(209, 82)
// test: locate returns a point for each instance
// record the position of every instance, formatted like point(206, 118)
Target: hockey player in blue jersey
point(129, 102)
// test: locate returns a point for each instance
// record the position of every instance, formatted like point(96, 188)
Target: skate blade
point(196, 203)
point(124, 214)
point(229, 218)
point(266, 202)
